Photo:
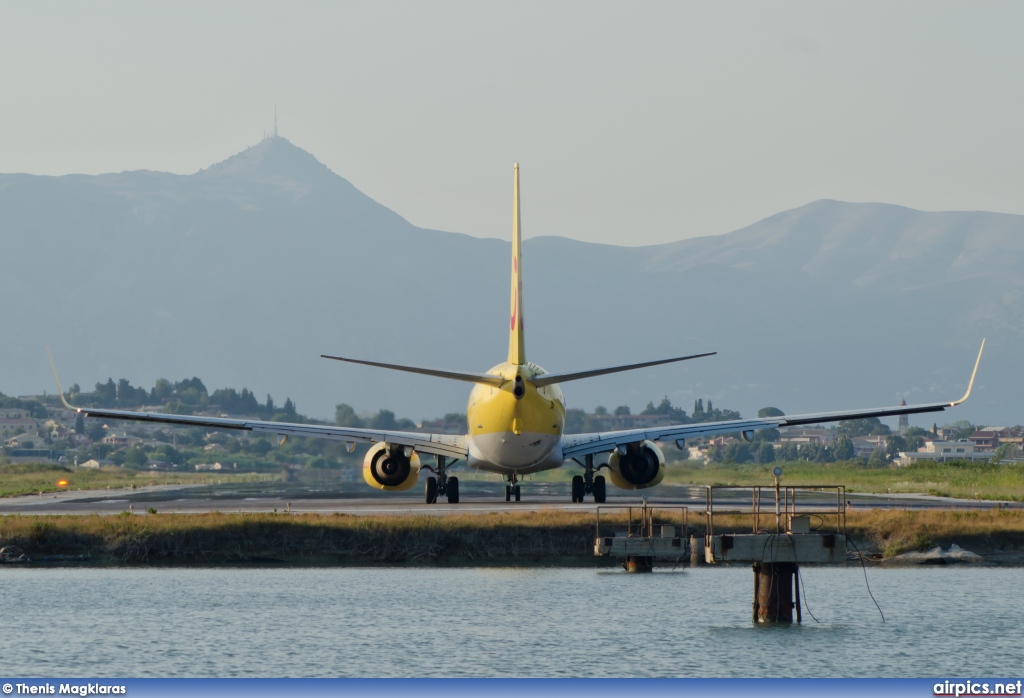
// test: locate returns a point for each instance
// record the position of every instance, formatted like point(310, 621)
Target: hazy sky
point(633, 123)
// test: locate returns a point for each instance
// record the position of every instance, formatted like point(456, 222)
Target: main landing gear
point(442, 485)
point(512, 488)
point(588, 483)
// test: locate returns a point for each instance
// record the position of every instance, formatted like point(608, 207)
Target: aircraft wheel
point(508, 493)
point(517, 492)
point(431, 491)
point(577, 488)
point(453, 490)
point(600, 490)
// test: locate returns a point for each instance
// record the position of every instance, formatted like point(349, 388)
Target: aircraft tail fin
point(516, 342)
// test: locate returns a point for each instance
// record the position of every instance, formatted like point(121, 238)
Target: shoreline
point(548, 538)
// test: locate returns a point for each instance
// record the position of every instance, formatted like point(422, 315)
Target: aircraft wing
point(449, 445)
point(576, 445)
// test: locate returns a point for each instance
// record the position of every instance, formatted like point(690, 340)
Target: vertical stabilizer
point(516, 345)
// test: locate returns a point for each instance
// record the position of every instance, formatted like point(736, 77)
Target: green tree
point(574, 418)
point(162, 390)
point(96, 432)
point(787, 452)
point(384, 419)
point(770, 412)
point(816, 453)
point(106, 393)
point(1004, 453)
point(962, 429)
point(457, 418)
point(738, 452)
point(166, 453)
point(135, 458)
point(894, 443)
point(177, 407)
point(600, 410)
point(765, 453)
point(914, 443)
point(622, 411)
point(843, 448)
point(99, 451)
point(861, 427)
point(878, 459)
point(698, 410)
point(345, 416)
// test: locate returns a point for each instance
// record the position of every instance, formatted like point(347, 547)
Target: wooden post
point(774, 586)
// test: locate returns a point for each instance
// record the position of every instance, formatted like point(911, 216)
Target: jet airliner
point(516, 419)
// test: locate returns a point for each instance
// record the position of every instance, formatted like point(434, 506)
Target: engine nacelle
point(643, 465)
point(390, 467)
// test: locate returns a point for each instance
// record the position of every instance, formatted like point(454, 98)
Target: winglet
point(973, 374)
point(57, 380)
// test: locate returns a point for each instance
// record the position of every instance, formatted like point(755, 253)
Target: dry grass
point(894, 532)
point(547, 537)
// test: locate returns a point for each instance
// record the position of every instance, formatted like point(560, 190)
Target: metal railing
point(640, 519)
point(785, 504)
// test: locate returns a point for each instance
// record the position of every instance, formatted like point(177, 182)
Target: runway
point(355, 498)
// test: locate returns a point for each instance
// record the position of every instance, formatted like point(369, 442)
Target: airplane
point(516, 419)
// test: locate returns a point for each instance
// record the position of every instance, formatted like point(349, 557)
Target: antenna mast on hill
point(275, 121)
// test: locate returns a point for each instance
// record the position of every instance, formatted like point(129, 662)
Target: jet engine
point(391, 467)
point(642, 465)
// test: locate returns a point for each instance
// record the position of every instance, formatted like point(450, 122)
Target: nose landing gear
point(442, 485)
point(512, 488)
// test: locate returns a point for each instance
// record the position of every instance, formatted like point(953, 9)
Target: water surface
point(186, 622)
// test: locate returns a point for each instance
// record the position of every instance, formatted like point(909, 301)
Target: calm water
point(502, 622)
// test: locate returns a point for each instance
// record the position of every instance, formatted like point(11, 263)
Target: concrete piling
point(696, 550)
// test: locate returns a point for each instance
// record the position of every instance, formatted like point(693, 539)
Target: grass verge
point(32, 478)
point(961, 479)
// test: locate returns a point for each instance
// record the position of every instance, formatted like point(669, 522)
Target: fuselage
point(510, 434)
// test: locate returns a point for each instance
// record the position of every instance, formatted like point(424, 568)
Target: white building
point(943, 451)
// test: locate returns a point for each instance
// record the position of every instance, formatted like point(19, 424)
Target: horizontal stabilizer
point(552, 378)
point(485, 378)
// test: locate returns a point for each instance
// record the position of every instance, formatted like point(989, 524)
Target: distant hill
point(246, 271)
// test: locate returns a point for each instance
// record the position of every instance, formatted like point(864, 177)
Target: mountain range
point(245, 272)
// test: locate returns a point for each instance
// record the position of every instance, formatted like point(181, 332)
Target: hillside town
point(38, 429)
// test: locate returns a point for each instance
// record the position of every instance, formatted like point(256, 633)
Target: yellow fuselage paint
point(509, 434)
